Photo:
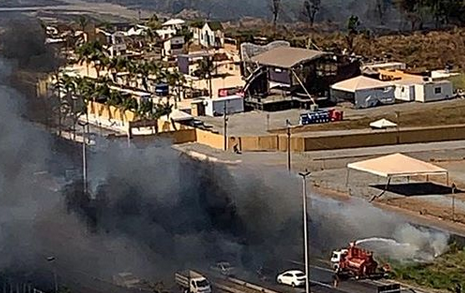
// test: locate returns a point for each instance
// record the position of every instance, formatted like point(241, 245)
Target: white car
point(224, 268)
point(294, 278)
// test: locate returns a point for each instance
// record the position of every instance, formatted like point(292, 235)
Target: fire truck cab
point(336, 258)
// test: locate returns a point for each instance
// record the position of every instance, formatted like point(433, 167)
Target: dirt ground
point(411, 115)
point(329, 174)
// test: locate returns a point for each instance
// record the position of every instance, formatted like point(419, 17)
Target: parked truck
point(192, 282)
point(356, 262)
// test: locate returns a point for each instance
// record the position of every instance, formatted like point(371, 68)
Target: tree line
point(442, 12)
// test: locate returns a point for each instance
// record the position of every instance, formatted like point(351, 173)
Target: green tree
point(275, 7)
point(82, 22)
point(311, 8)
point(188, 37)
point(91, 53)
point(353, 24)
point(411, 10)
point(153, 22)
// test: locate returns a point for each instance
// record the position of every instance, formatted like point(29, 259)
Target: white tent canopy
point(397, 165)
point(177, 116)
point(382, 124)
point(359, 83)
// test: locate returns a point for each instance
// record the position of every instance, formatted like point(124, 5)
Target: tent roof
point(382, 123)
point(178, 115)
point(175, 21)
point(359, 83)
point(286, 57)
point(396, 165)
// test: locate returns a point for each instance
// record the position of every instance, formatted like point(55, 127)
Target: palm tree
point(205, 71)
point(102, 89)
point(84, 90)
point(91, 52)
point(116, 65)
point(68, 86)
point(175, 80)
point(145, 69)
point(82, 21)
point(131, 71)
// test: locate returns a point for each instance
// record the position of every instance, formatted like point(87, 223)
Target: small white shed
point(404, 91)
point(216, 107)
point(430, 91)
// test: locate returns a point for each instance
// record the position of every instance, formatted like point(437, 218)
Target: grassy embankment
point(443, 274)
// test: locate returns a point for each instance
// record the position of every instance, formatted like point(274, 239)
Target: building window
point(437, 90)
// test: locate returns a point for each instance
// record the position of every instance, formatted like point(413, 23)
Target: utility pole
point(288, 125)
point(225, 127)
point(304, 203)
point(84, 156)
point(398, 130)
point(453, 201)
point(267, 122)
point(59, 103)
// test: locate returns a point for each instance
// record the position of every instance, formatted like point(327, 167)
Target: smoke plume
point(151, 210)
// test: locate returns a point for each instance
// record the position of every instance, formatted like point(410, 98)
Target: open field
point(411, 115)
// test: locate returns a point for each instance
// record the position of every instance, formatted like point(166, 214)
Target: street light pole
point(288, 125)
point(304, 202)
point(84, 156)
point(51, 259)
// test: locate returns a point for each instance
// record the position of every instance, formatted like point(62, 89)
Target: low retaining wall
point(330, 142)
point(327, 142)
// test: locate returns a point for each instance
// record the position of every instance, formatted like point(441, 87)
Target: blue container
point(162, 90)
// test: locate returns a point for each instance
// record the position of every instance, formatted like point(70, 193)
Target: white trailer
point(216, 107)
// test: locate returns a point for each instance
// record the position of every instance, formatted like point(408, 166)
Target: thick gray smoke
point(388, 235)
point(151, 211)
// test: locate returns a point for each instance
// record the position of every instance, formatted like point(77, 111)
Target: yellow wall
point(300, 144)
point(179, 136)
point(211, 139)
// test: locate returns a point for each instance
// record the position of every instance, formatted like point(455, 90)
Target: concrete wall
point(110, 112)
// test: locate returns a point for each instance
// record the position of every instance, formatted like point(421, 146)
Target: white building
point(216, 107)
point(173, 46)
point(363, 92)
point(211, 35)
point(115, 42)
point(424, 91)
